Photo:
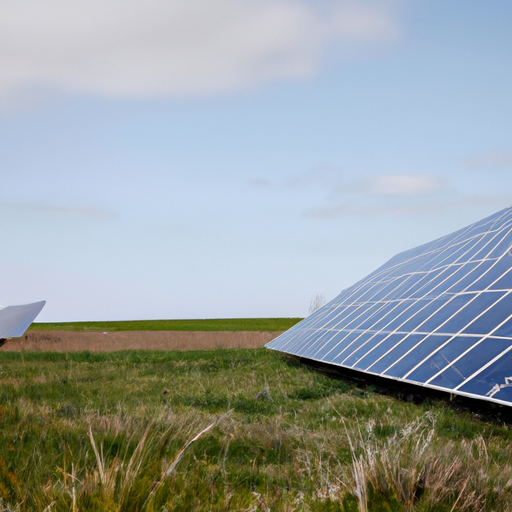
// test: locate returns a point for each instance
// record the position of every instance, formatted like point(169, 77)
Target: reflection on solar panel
point(15, 320)
point(438, 315)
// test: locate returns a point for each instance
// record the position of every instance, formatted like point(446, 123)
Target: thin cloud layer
point(59, 210)
point(386, 194)
point(396, 185)
point(409, 208)
point(392, 194)
point(405, 185)
point(499, 160)
point(158, 48)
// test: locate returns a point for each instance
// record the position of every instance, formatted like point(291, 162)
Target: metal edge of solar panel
point(437, 316)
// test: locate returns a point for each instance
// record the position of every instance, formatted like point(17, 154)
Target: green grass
point(227, 324)
point(104, 432)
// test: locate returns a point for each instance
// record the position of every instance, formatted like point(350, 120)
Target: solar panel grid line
point(494, 220)
point(501, 248)
point(394, 331)
point(475, 270)
point(360, 311)
point(440, 268)
point(375, 304)
point(483, 368)
point(451, 243)
point(463, 248)
point(505, 231)
point(444, 334)
point(312, 333)
point(422, 255)
point(488, 288)
point(294, 343)
point(340, 341)
point(329, 333)
point(327, 342)
point(341, 312)
point(482, 338)
point(354, 341)
point(302, 340)
point(371, 279)
point(374, 334)
point(470, 283)
point(423, 283)
point(317, 320)
point(380, 331)
point(383, 290)
point(334, 331)
point(496, 233)
point(481, 292)
point(479, 250)
point(453, 335)
point(428, 272)
point(497, 228)
point(383, 330)
point(352, 318)
point(450, 278)
point(507, 272)
point(325, 337)
point(415, 347)
point(390, 269)
point(498, 216)
point(383, 277)
point(481, 262)
point(318, 317)
point(428, 318)
point(438, 332)
point(375, 285)
point(312, 328)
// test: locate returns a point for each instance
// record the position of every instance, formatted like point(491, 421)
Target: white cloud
point(389, 194)
point(157, 48)
point(321, 175)
point(402, 185)
point(491, 160)
point(58, 210)
point(348, 195)
point(408, 208)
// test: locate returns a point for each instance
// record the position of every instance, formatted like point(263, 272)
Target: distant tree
point(317, 303)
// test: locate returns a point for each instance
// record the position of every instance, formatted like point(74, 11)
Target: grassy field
point(229, 324)
point(241, 430)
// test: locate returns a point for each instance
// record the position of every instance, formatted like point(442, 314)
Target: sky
point(237, 158)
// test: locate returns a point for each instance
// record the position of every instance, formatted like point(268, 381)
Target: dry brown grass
point(72, 341)
point(419, 470)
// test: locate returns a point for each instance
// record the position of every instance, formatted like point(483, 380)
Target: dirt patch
point(70, 341)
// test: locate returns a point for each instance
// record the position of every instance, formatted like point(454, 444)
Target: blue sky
point(236, 158)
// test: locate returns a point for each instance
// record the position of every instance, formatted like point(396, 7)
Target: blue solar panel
point(438, 315)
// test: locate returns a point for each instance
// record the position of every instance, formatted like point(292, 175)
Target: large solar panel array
point(438, 315)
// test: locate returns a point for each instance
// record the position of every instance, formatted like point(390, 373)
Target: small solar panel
point(15, 320)
point(438, 315)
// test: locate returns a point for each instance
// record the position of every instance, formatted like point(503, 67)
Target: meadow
point(216, 324)
point(240, 430)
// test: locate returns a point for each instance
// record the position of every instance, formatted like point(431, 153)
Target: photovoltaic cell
point(438, 315)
